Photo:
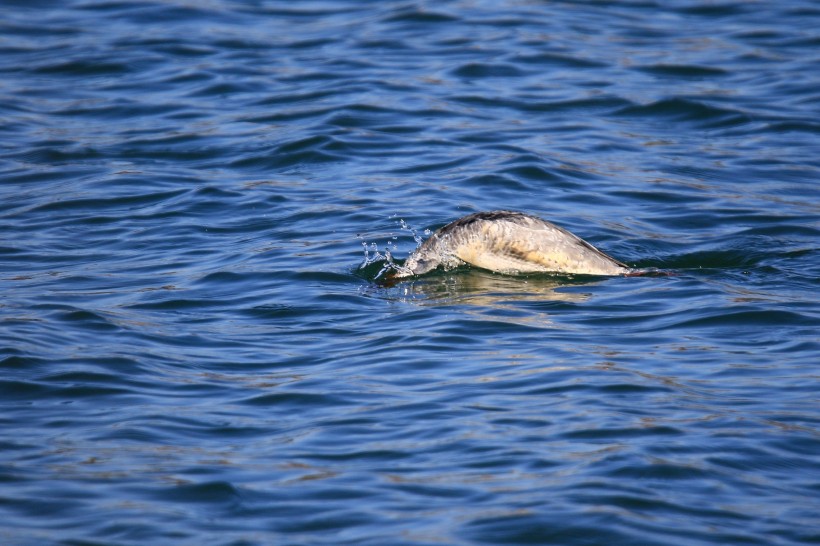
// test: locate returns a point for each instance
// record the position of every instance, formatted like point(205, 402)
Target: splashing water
point(372, 254)
point(416, 236)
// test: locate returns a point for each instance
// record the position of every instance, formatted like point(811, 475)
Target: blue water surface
point(196, 199)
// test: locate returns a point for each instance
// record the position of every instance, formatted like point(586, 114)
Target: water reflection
point(483, 288)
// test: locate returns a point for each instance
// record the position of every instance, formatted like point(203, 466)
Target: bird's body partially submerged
point(509, 242)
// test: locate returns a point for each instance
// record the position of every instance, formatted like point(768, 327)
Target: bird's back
point(511, 242)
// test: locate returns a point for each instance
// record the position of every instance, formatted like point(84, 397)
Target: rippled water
point(192, 354)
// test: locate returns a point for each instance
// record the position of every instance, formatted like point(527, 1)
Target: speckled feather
point(510, 242)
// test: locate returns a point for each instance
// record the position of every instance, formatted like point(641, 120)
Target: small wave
point(687, 110)
point(683, 71)
point(414, 16)
point(214, 492)
point(735, 258)
point(485, 70)
point(795, 126)
point(128, 202)
point(84, 68)
point(538, 104)
point(558, 59)
point(749, 317)
point(274, 160)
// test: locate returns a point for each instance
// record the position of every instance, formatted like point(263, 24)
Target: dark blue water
point(191, 353)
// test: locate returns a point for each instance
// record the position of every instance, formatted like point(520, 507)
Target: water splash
point(372, 254)
point(416, 237)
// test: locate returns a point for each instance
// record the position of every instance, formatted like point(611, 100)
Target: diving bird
point(509, 242)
